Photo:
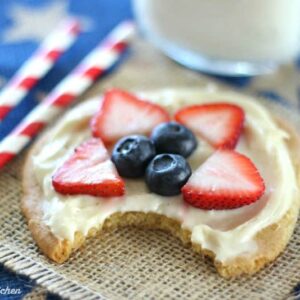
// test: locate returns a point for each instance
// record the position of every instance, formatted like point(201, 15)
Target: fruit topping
point(89, 171)
point(167, 173)
point(172, 137)
point(220, 124)
point(225, 180)
point(132, 154)
point(122, 114)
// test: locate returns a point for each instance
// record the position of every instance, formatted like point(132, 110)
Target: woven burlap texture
point(132, 263)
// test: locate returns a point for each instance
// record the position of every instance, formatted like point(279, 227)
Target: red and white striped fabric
point(81, 78)
point(38, 65)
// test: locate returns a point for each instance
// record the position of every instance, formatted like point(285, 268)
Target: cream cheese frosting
point(227, 233)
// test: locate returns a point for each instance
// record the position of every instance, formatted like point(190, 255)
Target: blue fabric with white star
point(23, 23)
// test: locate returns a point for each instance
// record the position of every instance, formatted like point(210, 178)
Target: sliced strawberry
point(89, 171)
point(220, 124)
point(123, 114)
point(226, 180)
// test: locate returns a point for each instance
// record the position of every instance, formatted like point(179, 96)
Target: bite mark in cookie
point(235, 237)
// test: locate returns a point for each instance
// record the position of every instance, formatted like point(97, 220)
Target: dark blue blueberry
point(132, 154)
point(167, 173)
point(173, 137)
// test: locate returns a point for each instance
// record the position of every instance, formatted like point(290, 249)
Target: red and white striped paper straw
point(38, 65)
point(78, 81)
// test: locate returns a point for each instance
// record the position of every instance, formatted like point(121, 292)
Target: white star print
point(34, 23)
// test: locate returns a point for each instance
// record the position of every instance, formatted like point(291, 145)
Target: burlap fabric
point(133, 263)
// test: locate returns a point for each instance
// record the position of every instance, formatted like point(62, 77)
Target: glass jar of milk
point(226, 37)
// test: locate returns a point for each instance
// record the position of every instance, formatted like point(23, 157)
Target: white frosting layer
point(228, 233)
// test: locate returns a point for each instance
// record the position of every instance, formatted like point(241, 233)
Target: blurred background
point(24, 24)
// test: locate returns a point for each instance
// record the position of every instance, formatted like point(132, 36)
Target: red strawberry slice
point(123, 114)
point(226, 180)
point(220, 124)
point(89, 171)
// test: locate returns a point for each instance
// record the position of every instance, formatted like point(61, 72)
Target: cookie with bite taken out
point(214, 168)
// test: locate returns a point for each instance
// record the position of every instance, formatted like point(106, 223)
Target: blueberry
point(172, 137)
point(132, 154)
point(167, 173)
